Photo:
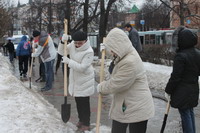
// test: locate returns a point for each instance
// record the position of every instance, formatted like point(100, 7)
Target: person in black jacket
point(11, 50)
point(183, 84)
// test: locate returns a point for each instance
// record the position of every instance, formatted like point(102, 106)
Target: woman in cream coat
point(81, 76)
point(132, 103)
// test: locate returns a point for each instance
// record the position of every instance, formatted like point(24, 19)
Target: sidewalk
point(55, 97)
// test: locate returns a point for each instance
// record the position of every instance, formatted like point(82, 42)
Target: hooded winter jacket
point(46, 51)
point(132, 100)
point(183, 83)
point(81, 76)
point(23, 48)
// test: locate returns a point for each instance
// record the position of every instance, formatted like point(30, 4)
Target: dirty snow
point(23, 110)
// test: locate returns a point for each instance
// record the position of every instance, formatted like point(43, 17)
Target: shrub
point(158, 54)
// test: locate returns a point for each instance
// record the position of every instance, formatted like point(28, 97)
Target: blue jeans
point(188, 120)
point(49, 73)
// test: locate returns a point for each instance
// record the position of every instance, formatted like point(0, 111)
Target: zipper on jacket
point(73, 84)
point(123, 106)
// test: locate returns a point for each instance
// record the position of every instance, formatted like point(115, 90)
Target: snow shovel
point(30, 72)
point(31, 68)
point(100, 97)
point(65, 108)
point(165, 117)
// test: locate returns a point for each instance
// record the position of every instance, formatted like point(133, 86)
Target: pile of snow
point(23, 110)
point(157, 75)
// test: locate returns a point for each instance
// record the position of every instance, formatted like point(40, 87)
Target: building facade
point(188, 10)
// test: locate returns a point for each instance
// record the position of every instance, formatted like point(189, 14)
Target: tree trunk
point(67, 14)
point(104, 20)
point(101, 24)
point(85, 20)
point(50, 16)
point(181, 15)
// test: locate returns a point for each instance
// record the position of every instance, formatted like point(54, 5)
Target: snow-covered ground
point(23, 110)
point(158, 75)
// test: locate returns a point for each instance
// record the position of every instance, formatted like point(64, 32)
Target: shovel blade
point(164, 123)
point(65, 111)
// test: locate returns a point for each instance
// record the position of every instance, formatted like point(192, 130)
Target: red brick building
point(190, 9)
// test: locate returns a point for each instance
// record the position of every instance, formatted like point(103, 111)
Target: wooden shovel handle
point(65, 54)
point(31, 66)
point(168, 106)
point(100, 97)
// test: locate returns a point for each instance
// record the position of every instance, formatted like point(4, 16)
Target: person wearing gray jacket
point(132, 102)
point(134, 37)
point(47, 52)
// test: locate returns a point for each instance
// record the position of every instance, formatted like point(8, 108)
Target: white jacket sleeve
point(38, 51)
point(85, 63)
point(61, 48)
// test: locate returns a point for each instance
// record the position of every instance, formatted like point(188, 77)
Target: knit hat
point(36, 33)
point(79, 36)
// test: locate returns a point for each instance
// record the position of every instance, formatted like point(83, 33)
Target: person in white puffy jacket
point(132, 103)
point(81, 75)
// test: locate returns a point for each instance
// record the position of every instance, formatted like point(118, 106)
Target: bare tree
point(5, 20)
point(156, 15)
point(86, 11)
point(184, 9)
point(104, 17)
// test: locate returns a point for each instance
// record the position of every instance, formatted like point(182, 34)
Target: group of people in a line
point(132, 103)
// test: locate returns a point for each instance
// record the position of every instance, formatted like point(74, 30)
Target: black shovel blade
point(65, 111)
point(164, 123)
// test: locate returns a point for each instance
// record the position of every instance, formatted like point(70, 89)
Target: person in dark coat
point(183, 84)
point(11, 50)
point(134, 37)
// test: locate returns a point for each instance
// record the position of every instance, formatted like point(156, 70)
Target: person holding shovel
point(183, 86)
point(81, 76)
point(47, 52)
point(132, 103)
